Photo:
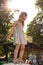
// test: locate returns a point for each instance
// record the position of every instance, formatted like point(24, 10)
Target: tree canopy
point(39, 4)
point(35, 28)
point(6, 16)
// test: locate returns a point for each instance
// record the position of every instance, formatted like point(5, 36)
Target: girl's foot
point(16, 61)
point(21, 61)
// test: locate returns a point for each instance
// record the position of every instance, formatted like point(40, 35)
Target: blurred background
point(33, 29)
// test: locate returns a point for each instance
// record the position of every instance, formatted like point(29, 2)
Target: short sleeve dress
point(19, 37)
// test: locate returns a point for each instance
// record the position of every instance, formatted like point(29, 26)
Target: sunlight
point(24, 5)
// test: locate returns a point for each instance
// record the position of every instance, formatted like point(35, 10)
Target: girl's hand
point(12, 30)
point(7, 37)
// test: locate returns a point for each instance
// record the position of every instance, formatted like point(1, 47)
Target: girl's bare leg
point(22, 51)
point(16, 51)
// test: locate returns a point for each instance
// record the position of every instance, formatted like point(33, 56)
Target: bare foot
point(16, 60)
point(20, 60)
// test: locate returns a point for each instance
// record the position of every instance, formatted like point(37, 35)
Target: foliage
point(35, 29)
point(6, 16)
point(39, 4)
point(5, 24)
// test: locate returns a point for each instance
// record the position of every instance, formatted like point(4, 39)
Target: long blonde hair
point(22, 13)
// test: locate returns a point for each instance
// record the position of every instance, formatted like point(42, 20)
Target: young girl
point(19, 37)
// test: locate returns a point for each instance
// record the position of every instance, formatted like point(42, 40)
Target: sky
point(26, 6)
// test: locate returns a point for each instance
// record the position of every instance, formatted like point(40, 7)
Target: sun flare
point(24, 5)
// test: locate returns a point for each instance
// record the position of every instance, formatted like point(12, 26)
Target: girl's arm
point(12, 30)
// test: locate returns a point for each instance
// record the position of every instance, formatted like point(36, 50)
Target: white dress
point(19, 37)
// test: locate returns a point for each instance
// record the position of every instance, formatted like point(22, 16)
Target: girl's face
point(23, 18)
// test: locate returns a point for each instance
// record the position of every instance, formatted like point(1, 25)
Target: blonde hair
point(23, 13)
